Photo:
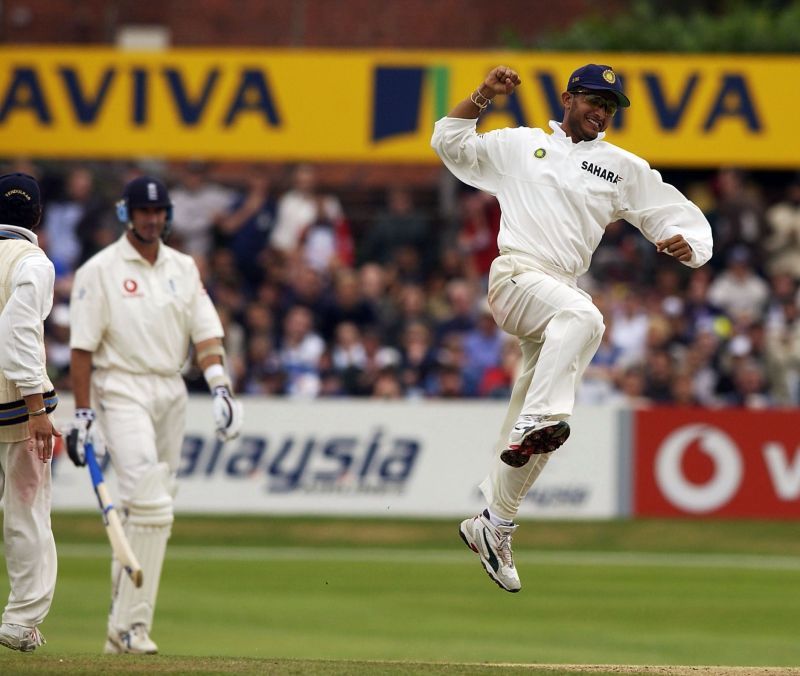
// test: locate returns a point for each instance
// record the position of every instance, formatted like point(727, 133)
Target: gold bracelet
point(477, 95)
point(41, 411)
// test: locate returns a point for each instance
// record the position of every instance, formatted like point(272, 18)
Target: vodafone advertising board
point(727, 463)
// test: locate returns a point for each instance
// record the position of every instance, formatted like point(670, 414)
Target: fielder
point(27, 398)
point(135, 308)
point(557, 190)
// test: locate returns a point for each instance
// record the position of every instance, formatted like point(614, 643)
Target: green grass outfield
point(324, 596)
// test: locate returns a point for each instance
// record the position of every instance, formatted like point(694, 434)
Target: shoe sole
point(545, 440)
point(487, 569)
point(26, 648)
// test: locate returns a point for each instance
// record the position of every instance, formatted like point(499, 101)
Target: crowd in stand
point(315, 305)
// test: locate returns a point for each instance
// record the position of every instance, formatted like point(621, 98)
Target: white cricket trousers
point(142, 418)
point(30, 549)
point(559, 330)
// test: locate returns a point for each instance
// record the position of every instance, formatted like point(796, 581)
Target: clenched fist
point(500, 80)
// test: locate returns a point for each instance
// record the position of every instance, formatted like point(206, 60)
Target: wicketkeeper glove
point(228, 414)
point(80, 432)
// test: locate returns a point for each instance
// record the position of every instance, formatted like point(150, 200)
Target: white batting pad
point(148, 527)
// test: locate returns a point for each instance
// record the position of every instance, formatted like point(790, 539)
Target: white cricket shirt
point(557, 196)
point(21, 329)
point(138, 317)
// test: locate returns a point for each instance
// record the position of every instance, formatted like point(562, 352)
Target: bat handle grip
point(91, 462)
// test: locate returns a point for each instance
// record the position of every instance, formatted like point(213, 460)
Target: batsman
point(136, 307)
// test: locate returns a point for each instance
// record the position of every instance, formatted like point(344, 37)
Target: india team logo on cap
point(609, 76)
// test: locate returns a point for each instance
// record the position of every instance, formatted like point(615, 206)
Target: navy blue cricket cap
point(597, 76)
point(20, 201)
point(146, 191)
point(20, 188)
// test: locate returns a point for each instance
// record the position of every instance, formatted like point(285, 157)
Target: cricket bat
point(116, 535)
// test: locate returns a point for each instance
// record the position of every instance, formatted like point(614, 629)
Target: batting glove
point(80, 432)
point(228, 414)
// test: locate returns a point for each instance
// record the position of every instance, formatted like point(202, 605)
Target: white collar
point(559, 132)
point(27, 234)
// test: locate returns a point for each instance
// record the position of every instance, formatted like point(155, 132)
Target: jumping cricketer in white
point(26, 399)
point(557, 191)
point(135, 308)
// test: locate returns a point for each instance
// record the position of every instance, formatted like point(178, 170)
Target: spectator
point(331, 382)
point(738, 290)
point(631, 388)
point(783, 244)
point(682, 391)
point(701, 360)
point(377, 358)
point(782, 356)
point(346, 305)
point(696, 307)
point(348, 357)
point(397, 226)
point(373, 283)
point(629, 327)
point(658, 377)
point(738, 217)
point(300, 207)
point(198, 204)
point(600, 376)
point(783, 289)
point(74, 227)
point(460, 318)
point(303, 286)
point(620, 255)
point(387, 385)
point(412, 308)
point(483, 346)
point(417, 358)
point(247, 226)
point(477, 235)
point(448, 383)
point(300, 353)
point(750, 387)
point(264, 374)
point(498, 381)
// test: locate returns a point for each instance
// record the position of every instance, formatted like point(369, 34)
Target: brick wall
point(425, 24)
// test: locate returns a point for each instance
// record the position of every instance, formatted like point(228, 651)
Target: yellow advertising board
point(376, 106)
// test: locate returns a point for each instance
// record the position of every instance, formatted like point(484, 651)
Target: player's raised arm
point(500, 80)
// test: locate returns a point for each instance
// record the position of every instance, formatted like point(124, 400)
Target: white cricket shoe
point(493, 545)
point(135, 641)
point(533, 434)
point(17, 637)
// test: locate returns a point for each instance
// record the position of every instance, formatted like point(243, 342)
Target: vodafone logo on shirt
point(716, 463)
point(130, 287)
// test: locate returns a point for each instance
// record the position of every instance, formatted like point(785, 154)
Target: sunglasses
point(597, 101)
